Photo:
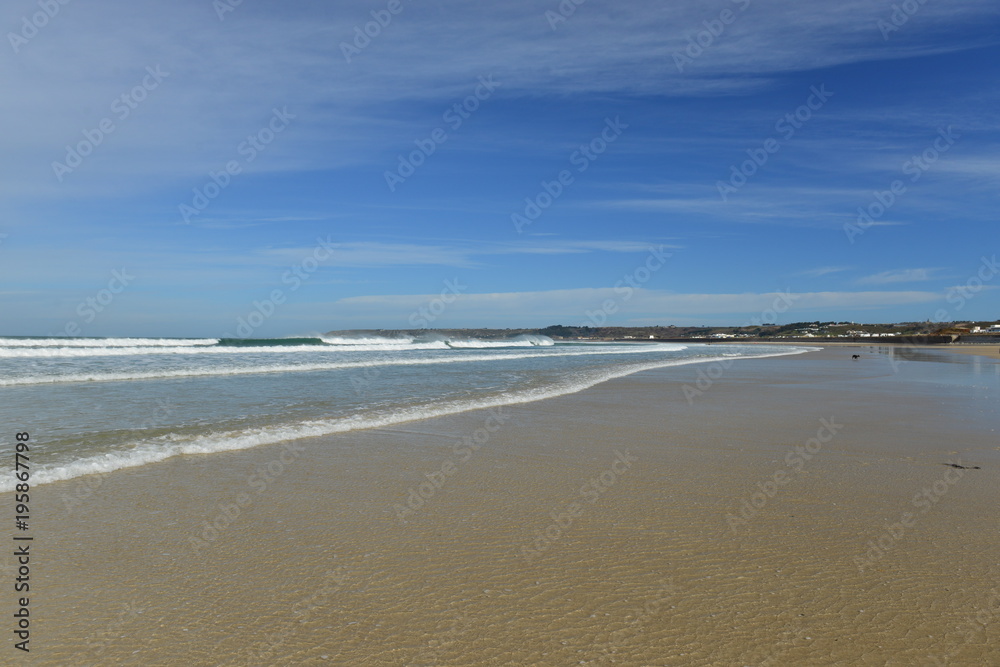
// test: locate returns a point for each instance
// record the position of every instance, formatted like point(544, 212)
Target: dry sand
point(648, 568)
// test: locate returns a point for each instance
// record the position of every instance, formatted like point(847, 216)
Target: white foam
point(116, 347)
point(106, 342)
point(367, 340)
point(166, 447)
point(386, 347)
point(212, 349)
point(519, 341)
point(438, 342)
point(305, 367)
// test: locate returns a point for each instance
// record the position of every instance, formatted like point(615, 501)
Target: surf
point(145, 452)
point(104, 376)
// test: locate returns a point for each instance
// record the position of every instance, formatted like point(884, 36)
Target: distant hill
point(796, 330)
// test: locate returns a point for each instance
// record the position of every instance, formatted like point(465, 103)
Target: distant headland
point(907, 333)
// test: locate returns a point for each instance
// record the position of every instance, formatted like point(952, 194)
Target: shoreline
point(989, 350)
point(113, 462)
point(622, 522)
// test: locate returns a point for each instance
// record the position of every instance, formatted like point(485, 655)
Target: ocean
point(95, 405)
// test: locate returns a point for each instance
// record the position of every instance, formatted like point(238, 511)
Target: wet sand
point(991, 351)
point(786, 511)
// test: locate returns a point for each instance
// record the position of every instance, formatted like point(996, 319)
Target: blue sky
point(818, 108)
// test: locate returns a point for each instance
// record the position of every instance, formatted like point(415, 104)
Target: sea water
point(95, 405)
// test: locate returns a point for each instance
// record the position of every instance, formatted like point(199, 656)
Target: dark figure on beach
point(855, 356)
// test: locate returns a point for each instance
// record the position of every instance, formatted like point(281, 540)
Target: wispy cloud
point(823, 271)
point(897, 276)
point(373, 254)
point(782, 205)
point(575, 247)
point(572, 305)
point(224, 78)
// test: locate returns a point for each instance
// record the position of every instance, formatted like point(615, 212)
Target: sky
point(262, 168)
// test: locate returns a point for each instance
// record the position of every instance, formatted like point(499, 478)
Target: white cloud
point(572, 305)
point(797, 206)
point(226, 76)
point(897, 276)
point(372, 254)
point(823, 271)
point(575, 247)
point(379, 255)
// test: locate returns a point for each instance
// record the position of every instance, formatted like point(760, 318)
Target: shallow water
point(97, 405)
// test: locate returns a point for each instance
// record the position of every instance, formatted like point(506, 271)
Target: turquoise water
point(97, 405)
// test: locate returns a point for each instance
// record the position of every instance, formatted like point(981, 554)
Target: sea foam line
point(117, 347)
point(25, 352)
point(107, 342)
point(166, 447)
point(295, 368)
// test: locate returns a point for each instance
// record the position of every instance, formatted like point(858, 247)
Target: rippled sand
point(649, 566)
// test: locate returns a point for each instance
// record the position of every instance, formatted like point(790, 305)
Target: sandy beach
point(800, 510)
